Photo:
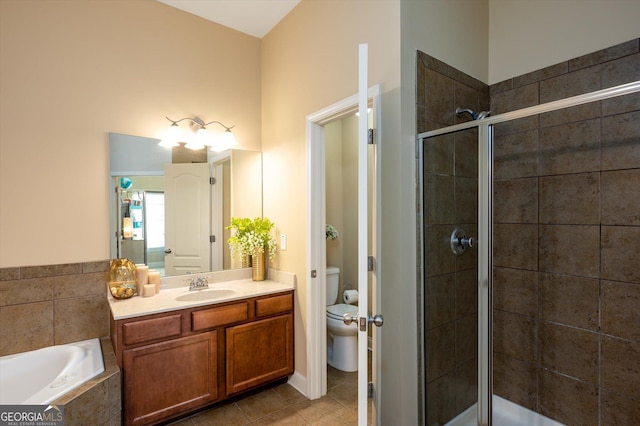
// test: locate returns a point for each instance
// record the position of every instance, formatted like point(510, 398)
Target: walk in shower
point(530, 237)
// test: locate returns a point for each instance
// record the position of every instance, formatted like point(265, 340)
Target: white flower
point(251, 236)
point(331, 232)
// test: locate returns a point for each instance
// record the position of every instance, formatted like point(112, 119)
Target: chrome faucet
point(198, 283)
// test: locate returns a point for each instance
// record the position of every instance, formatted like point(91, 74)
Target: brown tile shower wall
point(567, 243)
point(449, 201)
point(50, 305)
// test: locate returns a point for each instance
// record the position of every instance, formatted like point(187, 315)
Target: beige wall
point(72, 71)
point(455, 32)
point(349, 279)
point(341, 198)
point(528, 35)
point(334, 192)
point(310, 62)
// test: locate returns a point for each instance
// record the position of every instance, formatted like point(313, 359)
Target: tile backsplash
point(52, 304)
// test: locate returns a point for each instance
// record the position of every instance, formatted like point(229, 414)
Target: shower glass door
point(450, 223)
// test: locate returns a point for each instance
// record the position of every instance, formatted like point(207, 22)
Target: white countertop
point(165, 300)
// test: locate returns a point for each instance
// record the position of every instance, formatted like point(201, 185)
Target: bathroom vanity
point(181, 350)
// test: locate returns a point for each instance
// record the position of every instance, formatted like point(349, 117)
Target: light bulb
point(204, 137)
point(171, 137)
point(198, 140)
point(227, 141)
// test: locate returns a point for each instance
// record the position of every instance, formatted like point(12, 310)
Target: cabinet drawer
point(220, 315)
point(151, 329)
point(274, 305)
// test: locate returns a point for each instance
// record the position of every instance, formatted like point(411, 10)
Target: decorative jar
point(122, 278)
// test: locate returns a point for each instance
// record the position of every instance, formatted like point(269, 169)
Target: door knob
point(348, 319)
point(377, 320)
point(167, 251)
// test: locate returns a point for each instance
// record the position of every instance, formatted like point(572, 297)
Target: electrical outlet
point(283, 241)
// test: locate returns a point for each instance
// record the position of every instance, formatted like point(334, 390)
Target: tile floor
point(283, 405)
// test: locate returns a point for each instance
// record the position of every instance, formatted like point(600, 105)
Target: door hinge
point(371, 391)
point(371, 263)
point(370, 139)
point(212, 181)
point(212, 238)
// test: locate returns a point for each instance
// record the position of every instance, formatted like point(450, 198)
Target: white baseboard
point(299, 382)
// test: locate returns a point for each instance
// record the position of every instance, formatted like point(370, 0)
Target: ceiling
point(253, 17)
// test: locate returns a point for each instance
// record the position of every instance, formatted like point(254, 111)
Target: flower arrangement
point(331, 232)
point(251, 236)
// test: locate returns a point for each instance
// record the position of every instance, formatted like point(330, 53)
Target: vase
point(258, 267)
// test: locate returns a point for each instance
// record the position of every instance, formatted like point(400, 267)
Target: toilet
point(342, 339)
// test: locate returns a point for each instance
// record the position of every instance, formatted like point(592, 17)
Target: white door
point(367, 250)
point(187, 221)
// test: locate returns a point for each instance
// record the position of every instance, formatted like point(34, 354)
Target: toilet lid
point(337, 311)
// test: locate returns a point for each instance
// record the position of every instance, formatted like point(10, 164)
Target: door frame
point(316, 241)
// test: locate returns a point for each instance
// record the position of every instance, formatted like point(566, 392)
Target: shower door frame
point(485, 228)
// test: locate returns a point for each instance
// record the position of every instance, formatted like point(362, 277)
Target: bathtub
point(40, 376)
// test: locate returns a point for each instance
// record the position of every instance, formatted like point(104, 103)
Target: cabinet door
point(259, 352)
point(167, 378)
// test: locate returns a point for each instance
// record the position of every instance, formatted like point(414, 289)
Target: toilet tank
point(333, 278)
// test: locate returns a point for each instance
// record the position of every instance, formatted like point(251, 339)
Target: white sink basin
point(211, 294)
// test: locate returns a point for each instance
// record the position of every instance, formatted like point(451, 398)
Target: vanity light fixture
point(200, 139)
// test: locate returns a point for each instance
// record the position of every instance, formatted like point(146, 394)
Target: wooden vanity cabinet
point(262, 350)
point(259, 352)
point(176, 362)
point(168, 378)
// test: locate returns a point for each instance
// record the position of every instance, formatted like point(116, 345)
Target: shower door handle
point(460, 242)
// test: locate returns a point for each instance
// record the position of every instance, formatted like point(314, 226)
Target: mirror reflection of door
point(187, 218)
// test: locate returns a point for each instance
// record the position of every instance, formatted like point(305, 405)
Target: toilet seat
point(338, 311)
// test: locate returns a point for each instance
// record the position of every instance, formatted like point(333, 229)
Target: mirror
point(169, 207)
